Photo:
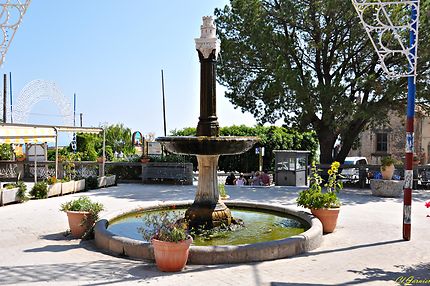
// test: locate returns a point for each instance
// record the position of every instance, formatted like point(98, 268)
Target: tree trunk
point(348, 140)
point(326, 140)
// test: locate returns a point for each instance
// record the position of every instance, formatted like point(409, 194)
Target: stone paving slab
point(366, 249)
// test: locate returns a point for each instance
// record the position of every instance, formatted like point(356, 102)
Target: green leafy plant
point(163, 226)
point(222, 191)
point(83, 204)
point(91, 183)
point(314, 197)
point(6, 152)
point(20, 157)
point(51, 180)
point(387, 161)
point(9, 186)
point(22, 191)
point(39, 190)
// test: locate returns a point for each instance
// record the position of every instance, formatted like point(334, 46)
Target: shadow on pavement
point(418, 272)
point(99, 272)
point(312, 253)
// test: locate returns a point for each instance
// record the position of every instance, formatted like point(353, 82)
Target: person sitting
point(240, 181)
point(256, 181)
point(230, 179)
point(265, 179)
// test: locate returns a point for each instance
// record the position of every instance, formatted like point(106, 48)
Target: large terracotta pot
point(171, 256)
point(328, 218)
point(75, 223)
point(388, 173)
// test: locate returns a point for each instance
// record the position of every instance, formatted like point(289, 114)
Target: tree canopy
point(310, 62)
point(271, 138)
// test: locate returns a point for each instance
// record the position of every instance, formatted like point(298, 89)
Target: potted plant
point(54, 186)
point(79, 184)
point(20, 157)
point(110, 180)
point(82, 213)
point(14, 192)
point(91, 183)
point(169, 239)
point(39, 190)
point(325, 205)
point(387, 167)
point(144, 159)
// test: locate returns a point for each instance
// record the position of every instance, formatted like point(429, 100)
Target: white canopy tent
point(29, 133)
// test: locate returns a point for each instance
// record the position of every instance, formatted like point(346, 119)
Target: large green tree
point(310, 62)
point(271, 138)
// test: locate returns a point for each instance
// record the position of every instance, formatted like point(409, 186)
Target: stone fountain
point(207, 210)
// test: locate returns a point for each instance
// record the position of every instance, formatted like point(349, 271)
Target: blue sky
point(110, 53)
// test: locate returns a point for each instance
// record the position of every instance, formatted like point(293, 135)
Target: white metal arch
point(40, 90)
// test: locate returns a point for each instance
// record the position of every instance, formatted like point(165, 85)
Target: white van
point(352, 174)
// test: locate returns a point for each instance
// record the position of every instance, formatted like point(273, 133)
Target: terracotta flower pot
point(171, 256)
point(388, 173)
point(328, 218)
point(75, 221)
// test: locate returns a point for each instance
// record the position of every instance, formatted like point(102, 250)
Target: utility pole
point(10, 96)
point(164, 103)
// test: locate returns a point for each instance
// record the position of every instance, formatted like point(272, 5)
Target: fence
point(126, 172)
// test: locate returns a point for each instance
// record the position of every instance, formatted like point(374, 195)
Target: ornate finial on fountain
point(208, 41)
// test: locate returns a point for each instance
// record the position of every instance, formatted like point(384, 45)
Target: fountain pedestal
point(208, 210)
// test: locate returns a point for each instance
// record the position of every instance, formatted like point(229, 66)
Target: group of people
point(255, 179)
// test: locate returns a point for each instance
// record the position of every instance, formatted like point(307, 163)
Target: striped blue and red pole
point(407, 192)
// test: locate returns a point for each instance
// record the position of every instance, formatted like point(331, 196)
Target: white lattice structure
point(40, 90)
point(383, 25)
point(11, 15)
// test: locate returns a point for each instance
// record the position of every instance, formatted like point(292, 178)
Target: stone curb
point(262, 251)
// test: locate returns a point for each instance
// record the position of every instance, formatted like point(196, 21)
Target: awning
point(26, 134)
point(23, 133)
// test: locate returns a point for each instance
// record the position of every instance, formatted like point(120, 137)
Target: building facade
point(389, 139)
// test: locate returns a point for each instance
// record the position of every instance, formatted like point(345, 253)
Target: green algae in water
point(260, 226)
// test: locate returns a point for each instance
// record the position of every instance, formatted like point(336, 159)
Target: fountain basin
point(220, 254)
point(207, 145)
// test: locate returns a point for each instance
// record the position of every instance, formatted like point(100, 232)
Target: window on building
point(381, 142)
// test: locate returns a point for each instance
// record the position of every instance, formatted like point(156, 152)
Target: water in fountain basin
point(259, 227)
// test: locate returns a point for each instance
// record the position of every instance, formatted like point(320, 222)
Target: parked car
point(353, 174)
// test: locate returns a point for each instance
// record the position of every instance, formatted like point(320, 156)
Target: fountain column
point(207, 209)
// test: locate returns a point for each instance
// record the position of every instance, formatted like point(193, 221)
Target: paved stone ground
point(366, 249)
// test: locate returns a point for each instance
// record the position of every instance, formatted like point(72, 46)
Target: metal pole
point(74, 109)
point(4, 97)
point(35, 163)
point(80, 117)
point(104, 152)
point(10, 96)
point(56, 152)
point(164, 102)
point(407, 192)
